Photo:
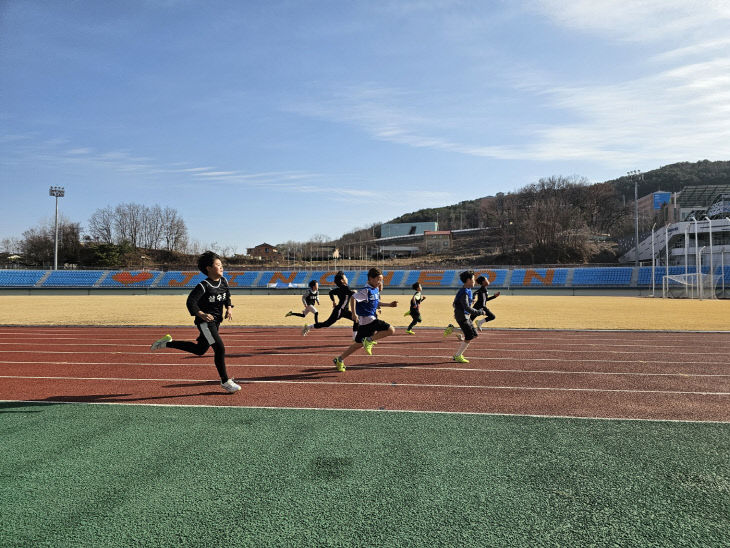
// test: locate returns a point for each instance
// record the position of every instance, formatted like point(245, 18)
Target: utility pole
point(636, 175)
point(57, 192)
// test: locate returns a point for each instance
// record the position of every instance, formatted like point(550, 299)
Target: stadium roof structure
point(700, 195)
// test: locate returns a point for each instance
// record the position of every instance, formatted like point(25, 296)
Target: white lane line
point(231, 408)
point(383, 384)
point(401, 356)
point(386, 368)
point(229, 348)
point(252, 341)
point(675, 341)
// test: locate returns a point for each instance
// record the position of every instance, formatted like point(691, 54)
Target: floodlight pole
point(698, 260)
point(635, 175)
point(712, 264)
point(666, 250)
point(686, 258)
point(57, 192)
point(653, 260)
point(699, 283)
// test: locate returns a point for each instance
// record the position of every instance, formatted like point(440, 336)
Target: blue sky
point(278, 120)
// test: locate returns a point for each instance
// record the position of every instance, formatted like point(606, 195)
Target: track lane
point(609, 376)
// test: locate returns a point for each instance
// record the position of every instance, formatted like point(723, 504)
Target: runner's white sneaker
point(230, 386)
point(306, 330)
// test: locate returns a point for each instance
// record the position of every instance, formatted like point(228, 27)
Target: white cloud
point(717, 46)
point(678, 109)
point(637, 20)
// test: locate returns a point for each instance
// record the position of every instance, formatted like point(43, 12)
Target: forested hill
point(674, 177)
point(671, 178)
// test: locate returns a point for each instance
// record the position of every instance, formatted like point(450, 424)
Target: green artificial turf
point(106, 475)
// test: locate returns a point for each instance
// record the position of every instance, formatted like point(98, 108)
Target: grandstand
point(72, 278)
point(597, 277)
point(685, 240)
point(20, 278)
point(576, 280)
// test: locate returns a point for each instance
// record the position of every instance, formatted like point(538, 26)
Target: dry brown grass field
point(512, 311)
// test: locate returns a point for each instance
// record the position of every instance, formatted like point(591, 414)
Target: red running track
point(636, 375)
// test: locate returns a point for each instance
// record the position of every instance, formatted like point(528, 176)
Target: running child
point(463, 312)
point(310, 298)
point(340, 309)
point(415, 308)
point(480, 302)
point(205, 303)
point(364, 305)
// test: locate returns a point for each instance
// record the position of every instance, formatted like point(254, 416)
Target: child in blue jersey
point(364, 305)
point(463, 314)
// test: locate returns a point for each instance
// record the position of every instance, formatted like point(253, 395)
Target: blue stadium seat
point(608, 277)
point(284, 277)
point(20, 278)
point(73, 278)
point(177, 278)
point(241, 279)
point(500, 276)
point(432, 278)
point(539, 277)
point(644, 279)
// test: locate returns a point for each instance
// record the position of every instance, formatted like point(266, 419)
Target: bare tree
point(101, 225)
point(174, 231)
point(38, 243)
point(11, 245)
point(152, 227)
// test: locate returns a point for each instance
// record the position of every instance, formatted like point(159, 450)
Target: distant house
point(263, 251)
point(435, 241)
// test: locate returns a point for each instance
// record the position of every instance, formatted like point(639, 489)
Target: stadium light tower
point(636, 175)
point(57, 192)
point(698, 258)
point(712, 264)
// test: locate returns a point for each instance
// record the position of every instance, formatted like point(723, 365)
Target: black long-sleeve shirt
point(209, 297)
point(343, 294)
point(482, 296)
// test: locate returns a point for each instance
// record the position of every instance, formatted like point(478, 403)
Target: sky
point(270, 121)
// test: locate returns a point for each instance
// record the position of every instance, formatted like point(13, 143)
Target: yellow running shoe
point(449, 330)
point(161, 343)
point(368, 344)
point(339, 364)
point(409, 332)
point(459, 358)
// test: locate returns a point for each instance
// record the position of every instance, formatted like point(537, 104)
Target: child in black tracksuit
point(415, 309)
point(480, 302)
point(205, 303)
point(310, 298)
point(340, 309)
